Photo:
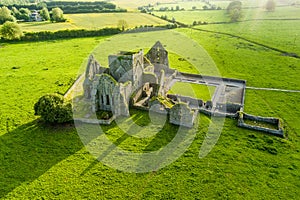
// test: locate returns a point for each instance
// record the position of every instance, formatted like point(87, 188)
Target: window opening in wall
point(107, 100)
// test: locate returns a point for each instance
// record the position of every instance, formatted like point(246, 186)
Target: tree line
point(72, 6)
point(11, 32)
point(24, 14)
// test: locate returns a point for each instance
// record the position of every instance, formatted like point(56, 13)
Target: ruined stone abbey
point(135, 79)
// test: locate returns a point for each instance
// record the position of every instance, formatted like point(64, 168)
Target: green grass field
point(50, 162)
point(211, 16)
point(94, 21)
point(265, 32)
point(202, 92)
point(39, 161)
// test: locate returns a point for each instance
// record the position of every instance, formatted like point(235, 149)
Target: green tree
point(57, 15)
point(45, 14)
point(234, 5)
point(270, 5)
point(234, 10)
point(15, 12)
point(235, 15)
point(122, 24)
point(53, 109)
point(10, 31)
point(25, 14)
point(6, 15)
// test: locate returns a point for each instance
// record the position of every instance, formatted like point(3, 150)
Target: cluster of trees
point(24, 14)
point(21, 14)
point(177, 8)
point(84, 7)
point(69, 6)
point(234, 9)
point(150, 8)
point(212, 7)
point(199, 23)
point(145, 9)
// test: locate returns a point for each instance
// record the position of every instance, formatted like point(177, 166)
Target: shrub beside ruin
point(53, 109)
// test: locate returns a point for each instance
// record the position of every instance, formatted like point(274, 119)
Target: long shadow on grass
point(141, 119)
point(31, 149)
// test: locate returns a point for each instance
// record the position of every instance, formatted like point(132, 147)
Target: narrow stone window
point(102, 101)
point(107, 100)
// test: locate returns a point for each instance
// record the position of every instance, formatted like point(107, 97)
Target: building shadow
point(30, 150)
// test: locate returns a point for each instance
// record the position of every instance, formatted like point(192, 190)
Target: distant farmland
point(212, 16)
point(95, 21)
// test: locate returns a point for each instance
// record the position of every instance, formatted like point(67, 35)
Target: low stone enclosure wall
point(205, 78)
point(256, 119)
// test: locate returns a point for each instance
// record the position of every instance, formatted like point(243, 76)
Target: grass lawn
point(271, 33)
point(198, 91)
point(30, 70)
point(188, 17)
point(261, 67)
point(50, 162)
point(94, 21)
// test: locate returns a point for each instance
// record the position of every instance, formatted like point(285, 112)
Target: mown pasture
point(94, 21)
point(213, 16)
point(42, 161)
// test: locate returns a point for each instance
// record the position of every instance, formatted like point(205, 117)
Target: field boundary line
point(285, 53)
point(272, 89)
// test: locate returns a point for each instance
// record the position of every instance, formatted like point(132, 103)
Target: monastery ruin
point(142, 81)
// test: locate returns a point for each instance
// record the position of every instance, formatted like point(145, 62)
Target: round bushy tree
point(45, 14)
point(234, 5)
point(10, 31)
point(53, 109)
point(6, 15)
point(270, 5)
point(58, 15)
point(234, 9)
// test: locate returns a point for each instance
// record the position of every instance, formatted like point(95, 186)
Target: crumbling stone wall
point(271, 120)
point(192, 102)
point(149, 77)
point(127, 67)
point(158, 55)
point(181, 114)
point(106, 95)
point(228, 107)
